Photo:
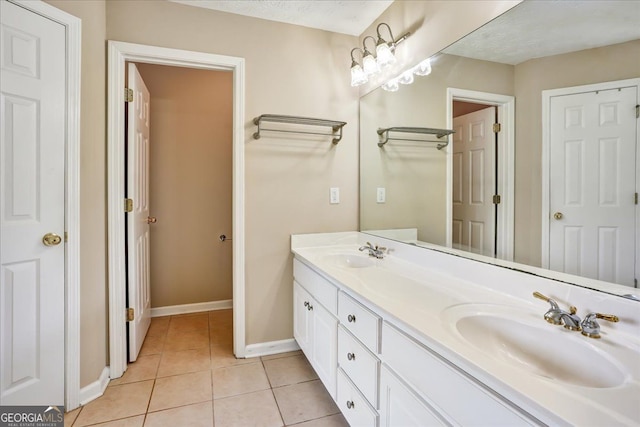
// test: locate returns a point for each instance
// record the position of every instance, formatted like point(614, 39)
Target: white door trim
point(118, 53)
point(546, 108)
point(73, 29)
point(506, 165)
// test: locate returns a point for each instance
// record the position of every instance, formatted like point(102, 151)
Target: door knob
point(51, 239)
point(558, 215)
point(152, 220)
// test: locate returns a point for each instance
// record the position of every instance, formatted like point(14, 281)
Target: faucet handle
point(553, 315)
point(591, 328)
point(542, 297)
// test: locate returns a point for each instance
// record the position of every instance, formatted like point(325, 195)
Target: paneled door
point(138, 284)
point(32, 216)
point(474, 181)
point(592, 176)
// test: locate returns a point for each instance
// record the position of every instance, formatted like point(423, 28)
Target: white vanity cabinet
point(315, 326)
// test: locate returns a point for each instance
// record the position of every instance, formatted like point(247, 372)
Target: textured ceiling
point(348, 17)
point(538, 28)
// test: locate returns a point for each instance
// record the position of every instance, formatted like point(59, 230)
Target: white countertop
point(424, 290)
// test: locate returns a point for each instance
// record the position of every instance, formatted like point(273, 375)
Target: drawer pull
point(350, 404)
point(351, 356)
point(351, 318)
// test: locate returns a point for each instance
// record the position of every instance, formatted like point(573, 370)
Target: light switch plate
point(334, 197)
point(381, 195)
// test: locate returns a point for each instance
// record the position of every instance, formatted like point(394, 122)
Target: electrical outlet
point(381, 195)
point(334, 197)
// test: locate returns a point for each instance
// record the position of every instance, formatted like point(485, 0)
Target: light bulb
point(406, 78)
point(369, 64)
point(384, 55)
point(391, 86)
point(423, 68)
point(358, 77)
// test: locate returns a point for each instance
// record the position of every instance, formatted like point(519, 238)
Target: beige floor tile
point(185, 361)
point(279, 355)
point(125, 422)
point(198, 415)
point(223, 356)
point(336, 420)
point(70, 417)
point(117, 402)
point(186, 340)
point(256, 409)
point(159, 326)
point(304, 402)
point(221, 338)
point(189, 322)
point(289, 370)
point(180, 390)
point(240, 379)
point(153, 345)
point(145, 368)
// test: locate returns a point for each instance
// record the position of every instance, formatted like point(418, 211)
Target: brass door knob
point(51, 239)
point(558, 215)
point(152, 220)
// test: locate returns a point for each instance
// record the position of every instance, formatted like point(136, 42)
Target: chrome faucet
point(556, 316)
point(374, 251)
point(591, 328)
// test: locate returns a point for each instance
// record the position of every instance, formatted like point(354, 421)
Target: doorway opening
point(503, 219)
point(119, 53)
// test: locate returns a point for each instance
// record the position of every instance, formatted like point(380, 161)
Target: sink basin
point(541, 349)
point(350, 260)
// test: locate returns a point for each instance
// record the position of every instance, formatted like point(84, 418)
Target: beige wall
point(414, 174)
point(616, 62)
point(190, 183)
point(290, 70)
point(93, 227)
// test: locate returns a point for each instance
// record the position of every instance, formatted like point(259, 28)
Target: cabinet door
point(324, 344)
point(301, 318)
point(399, 406)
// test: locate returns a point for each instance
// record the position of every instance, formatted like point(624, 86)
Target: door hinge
point(497, 127)
point(128, 95)
point(496, 199)
point(130, 315)
point(636, 198)
point(637, 111)
point(128, 205)
point(635, 283)
point(66, 237)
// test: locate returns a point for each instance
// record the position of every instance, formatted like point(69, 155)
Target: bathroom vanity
point(421, 337)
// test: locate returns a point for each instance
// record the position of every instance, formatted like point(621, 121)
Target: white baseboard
point(96, 388)
point(272, 347)
point(191, 308)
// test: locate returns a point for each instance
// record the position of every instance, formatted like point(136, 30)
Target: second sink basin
point(544, 350)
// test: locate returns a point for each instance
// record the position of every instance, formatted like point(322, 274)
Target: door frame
point(73, 32)
point(546, 149)
point(118, 54)
point(506, 165)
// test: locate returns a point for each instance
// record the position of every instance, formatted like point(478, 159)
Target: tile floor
point(186, 375)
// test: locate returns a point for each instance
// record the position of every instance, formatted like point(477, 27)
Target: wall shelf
point(336, 126)
point(439, 133)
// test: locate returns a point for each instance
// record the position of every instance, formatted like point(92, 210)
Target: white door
point(592, 179)
point(32, 147)
point(474, 181)
point(138, 220)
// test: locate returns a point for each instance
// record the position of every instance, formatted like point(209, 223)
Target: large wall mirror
point(563, 80)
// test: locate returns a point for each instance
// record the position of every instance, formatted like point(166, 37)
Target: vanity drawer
point(319, 287)
point(359, 364)
point(360, 321)
point(461, 400)
point(353, 404)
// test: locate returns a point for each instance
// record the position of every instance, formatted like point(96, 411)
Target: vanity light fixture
point(372, 64)
point(406, 78)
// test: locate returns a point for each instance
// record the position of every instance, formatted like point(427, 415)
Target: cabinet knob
point(351, 318)
point(351, 356)
point(350, 404)
point(309, 307)
point(306, 303)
